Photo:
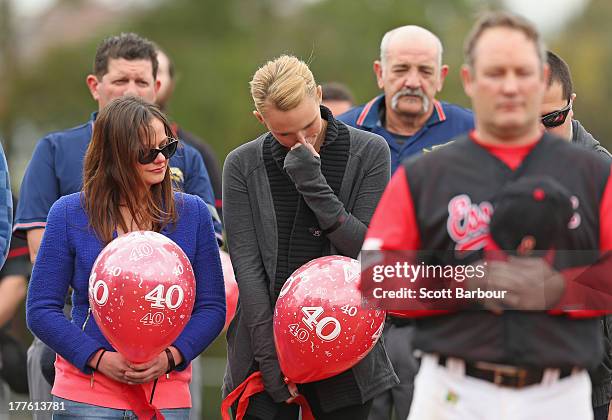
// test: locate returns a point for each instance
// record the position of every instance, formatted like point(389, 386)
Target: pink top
point(72, 384)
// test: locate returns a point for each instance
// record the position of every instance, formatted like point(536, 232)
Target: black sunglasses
point(168, 151)
point(556, 118)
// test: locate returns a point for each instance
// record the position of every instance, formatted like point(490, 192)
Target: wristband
point(336, 225)
point(171, 363)
point(100, 358)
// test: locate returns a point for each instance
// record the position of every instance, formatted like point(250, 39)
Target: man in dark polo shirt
point(410, 73)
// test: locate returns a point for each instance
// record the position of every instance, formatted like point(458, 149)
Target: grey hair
point(384, 44)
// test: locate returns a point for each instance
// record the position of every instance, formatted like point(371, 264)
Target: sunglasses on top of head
point(168, 151)
point(556, 118)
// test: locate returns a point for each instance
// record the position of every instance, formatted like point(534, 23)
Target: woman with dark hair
point(126, 187)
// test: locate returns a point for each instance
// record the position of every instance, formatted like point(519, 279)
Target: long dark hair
point(122, 132)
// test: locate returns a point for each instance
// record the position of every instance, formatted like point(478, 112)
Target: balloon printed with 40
point(231, 288)
point(141, 292)
point(320, 327)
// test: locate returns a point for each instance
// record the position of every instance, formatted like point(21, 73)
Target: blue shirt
point(6, 208)
point(446, 121)
point(56, 169)
point(66, 256)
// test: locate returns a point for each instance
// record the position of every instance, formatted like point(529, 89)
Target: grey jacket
point(601, 376)
point(584, 138)
point(250, 223)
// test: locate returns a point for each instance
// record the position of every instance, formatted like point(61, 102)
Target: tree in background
point(217, 46)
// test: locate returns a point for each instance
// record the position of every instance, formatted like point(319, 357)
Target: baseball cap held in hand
point(531, 213)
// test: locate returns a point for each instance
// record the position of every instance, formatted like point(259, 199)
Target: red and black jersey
point(442, 201)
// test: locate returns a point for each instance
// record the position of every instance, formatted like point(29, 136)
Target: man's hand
point(529, 283)
point(482, 283)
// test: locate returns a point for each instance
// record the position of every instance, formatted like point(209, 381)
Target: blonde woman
point(304, 189)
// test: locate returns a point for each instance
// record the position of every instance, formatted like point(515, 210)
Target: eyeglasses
point(168, 151)
point(556, 118)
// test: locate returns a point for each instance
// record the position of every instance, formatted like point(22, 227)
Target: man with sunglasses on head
point(123, 65)
point(557, 118)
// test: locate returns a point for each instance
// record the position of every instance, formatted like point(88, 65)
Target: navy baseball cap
point(532, 206)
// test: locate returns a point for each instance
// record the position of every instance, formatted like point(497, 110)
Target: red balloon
point(141, 293)
point(231, 288)
point(320, 328)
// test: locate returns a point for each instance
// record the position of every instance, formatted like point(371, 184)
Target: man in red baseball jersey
point(528, 364)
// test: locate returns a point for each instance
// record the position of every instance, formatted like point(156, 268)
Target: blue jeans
point(76, 410)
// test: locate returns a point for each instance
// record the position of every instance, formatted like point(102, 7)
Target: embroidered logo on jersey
point(468, 223)
point(177, 175)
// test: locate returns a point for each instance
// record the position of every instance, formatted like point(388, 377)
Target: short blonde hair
point(282, 82)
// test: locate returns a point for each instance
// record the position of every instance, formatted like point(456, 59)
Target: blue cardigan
point(67, 253)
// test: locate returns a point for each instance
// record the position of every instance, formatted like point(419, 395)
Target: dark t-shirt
point(210, 161)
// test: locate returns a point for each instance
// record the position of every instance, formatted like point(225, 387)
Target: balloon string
point(86, 319)
point(153, 391)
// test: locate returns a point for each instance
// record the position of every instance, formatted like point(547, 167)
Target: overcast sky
point(549, 15)
point(31, 7)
